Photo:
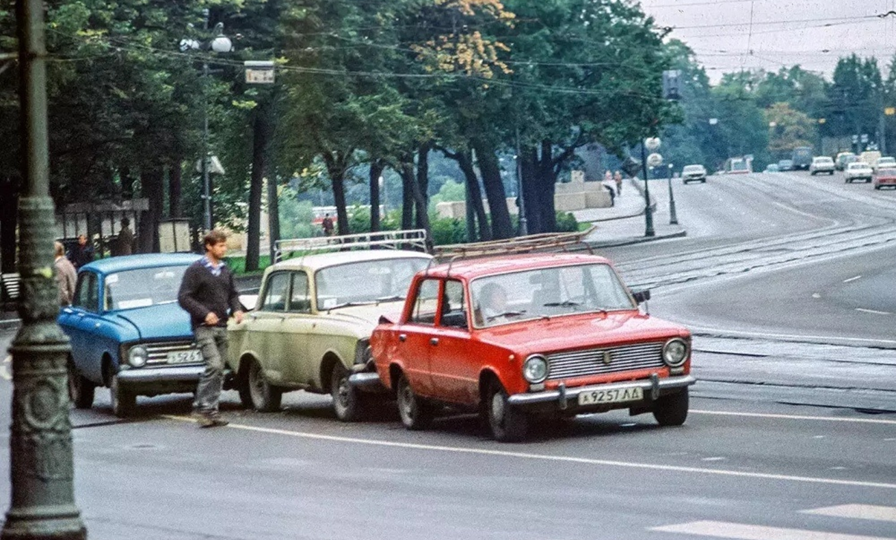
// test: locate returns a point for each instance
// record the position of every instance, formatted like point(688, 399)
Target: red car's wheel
point(507, 423)
point(415, 412)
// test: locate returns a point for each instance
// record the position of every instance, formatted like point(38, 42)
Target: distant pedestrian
point(125, 242)
point(82, 253)
point(617, 177)
point(327, 225)
point(207, 293)
point(610, 186)
point(66, 275)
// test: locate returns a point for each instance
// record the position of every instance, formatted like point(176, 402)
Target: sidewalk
point(624, 223)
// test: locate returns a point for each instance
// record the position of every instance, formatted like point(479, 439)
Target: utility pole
point(206, 181)
point(40, 445)
point(648, 212)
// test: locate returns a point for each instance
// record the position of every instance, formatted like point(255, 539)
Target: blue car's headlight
point(137, 356)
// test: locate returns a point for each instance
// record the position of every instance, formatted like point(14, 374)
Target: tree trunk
point(256, 187)
point(406, 171)
point(175, 187)
point(546, 180)
point(528, 167)
point(336, 166)
point(273, 214)
point(421, 194)
point(494, 190)
point(9, 209)
point(152, 185)
point(377, 166)
point(475, 209)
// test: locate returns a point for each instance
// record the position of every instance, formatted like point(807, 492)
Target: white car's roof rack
point(534, 243)
point(410, 239)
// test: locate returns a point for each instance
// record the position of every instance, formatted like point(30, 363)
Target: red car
point(885, 177)
point(514, 337)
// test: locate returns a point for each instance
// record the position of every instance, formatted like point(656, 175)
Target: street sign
point(864, 137)
point(713, 121)
point(855, 139)
point(654, 160)
point(259, 72)
point(671, 86)
point(652, 143)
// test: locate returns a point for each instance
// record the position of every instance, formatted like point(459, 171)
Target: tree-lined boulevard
point(791, 432)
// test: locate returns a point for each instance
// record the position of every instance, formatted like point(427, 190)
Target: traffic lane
point(814, 298)
point(315, 478)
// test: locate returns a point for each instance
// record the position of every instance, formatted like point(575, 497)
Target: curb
point(7, 324)
point(637, 240)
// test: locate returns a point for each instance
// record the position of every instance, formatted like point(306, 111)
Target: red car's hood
point(581, 331)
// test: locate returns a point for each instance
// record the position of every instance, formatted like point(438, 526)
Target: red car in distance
point(529, 335)
point(885, 177)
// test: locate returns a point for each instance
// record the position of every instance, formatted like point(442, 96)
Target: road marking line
point(857, 511)
point(721, 529)
point(873, 311)
point(4, 369)
point(768, 335)
point(548, 457)
point(850, 280)
point(797, 417)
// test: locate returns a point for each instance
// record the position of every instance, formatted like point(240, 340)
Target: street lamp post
point(673, 217)
point(40, 444)
point(648, 212)
point(524, 227)
point(220, 44)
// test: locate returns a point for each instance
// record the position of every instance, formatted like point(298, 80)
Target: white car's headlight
point(535, 369)
point(137, 356)
point(675, 352)
point(363, 352)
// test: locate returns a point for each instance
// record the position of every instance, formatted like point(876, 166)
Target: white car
point(693, 173)
point(858, 171)
point(821, 164)
point(885, 162)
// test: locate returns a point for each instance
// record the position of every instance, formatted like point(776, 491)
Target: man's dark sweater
point(202, 292)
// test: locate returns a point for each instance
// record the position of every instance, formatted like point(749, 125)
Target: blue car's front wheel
point(123, 401)
point(80, 389)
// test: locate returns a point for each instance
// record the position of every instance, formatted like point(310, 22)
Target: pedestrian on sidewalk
point(617, 177)
point(207, 293)
point(82, 253)
point(125, 241)
point(66, 275)
point(610, 186)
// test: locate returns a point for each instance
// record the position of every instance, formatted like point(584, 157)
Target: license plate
point(185, 357)
point(596, 396)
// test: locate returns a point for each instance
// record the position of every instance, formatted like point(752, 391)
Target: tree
point(788, 129)
point(856, 96)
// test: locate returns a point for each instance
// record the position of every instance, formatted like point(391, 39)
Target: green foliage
point(566, 222)
point(788, 129)
point(295, 216)
point(448, 231)
point(449, 192)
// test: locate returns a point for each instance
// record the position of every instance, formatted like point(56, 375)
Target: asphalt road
point(788, 438)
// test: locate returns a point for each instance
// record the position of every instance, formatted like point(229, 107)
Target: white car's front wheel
point(347, 400)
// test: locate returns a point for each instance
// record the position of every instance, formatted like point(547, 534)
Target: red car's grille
point(567, 365)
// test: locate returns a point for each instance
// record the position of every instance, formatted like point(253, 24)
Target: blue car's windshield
point(141, 288)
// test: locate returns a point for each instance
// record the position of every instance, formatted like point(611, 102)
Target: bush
point(448, 231)
point(567, 222)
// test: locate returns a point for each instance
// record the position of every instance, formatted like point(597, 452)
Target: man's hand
point(211, 319)
point(238, 316)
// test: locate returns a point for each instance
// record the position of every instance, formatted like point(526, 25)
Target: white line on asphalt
point(548, 457)
point(850, 280)
point(857, 511)
point(873, 311)
point(769, 335)
point(721, 529)
point(797, 417)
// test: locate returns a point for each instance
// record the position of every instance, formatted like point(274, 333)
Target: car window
point(366, 282)
point(299, 300)
point(142, 287)
point(276, 292)
point(86, 295)
point(427, 303)
point(454, 312)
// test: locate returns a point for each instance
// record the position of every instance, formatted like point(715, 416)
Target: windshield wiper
point(505, 314)
point(565, 303)
point(352, 304)
point(393, 298)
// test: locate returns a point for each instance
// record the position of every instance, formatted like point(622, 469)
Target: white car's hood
point(367, 313)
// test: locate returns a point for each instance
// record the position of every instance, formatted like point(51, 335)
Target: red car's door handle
point(402, 337)
point(434, 341)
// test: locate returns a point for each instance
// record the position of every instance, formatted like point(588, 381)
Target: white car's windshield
point(693, 169)
point(144, 287)
point(547, 292)
point(366, 282)
point(823, 160)
point(858, 166)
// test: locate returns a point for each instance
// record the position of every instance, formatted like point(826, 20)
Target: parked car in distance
point(821, 164)
point(802, 158)
point(885, 177)
point(738, 165)
point(313, 321)
point(858, 171)
point(785, 165)
point(870, 157)
point(772, 168)
point(884, 162)
point(550, 335)
point(128, 332)
point(843, 159)
point(693, 173)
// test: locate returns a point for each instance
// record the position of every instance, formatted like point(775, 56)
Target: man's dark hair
point(212, 237)
point(125, 222)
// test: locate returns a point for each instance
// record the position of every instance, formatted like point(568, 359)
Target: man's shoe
point(207, 420)
point(217, 421)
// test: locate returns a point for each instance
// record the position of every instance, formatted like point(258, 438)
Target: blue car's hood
point(160, 321)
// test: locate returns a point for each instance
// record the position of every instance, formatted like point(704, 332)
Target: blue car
point(128, 332)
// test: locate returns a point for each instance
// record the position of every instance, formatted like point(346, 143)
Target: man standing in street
point(66, 275)
point(207, 293)
point(125, 241)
